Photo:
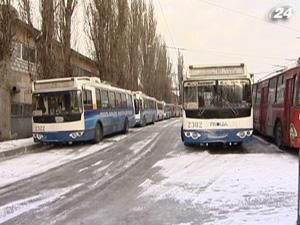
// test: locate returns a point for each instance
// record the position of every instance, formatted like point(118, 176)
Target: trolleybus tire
point(144, 122)
point(98, 133)
point(126, 127)
point(278, 134)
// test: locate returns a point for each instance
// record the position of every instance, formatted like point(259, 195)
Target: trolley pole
point(298, 209)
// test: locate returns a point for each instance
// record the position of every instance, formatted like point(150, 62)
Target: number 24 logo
point(282, 13)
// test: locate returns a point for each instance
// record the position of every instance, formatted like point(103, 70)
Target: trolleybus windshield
point(56, 103)
point(217, 95)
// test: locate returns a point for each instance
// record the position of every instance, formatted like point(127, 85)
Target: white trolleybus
point(217, 105)
point(145, 109)
point(79, 109)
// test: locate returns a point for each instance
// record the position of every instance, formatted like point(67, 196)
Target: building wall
point(23, 69)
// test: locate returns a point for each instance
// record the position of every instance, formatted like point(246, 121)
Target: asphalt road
point(150, 177)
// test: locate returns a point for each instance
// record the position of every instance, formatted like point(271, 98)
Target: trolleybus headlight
point(249, 132)
point(38, 136)
point(187, 134)
point(75, 135)
point(195, 135)
point(241, 134)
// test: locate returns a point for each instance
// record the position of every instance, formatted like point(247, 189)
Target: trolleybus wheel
point(144, 123)
point(98, 133)
point(126, 127)
point(278, 134)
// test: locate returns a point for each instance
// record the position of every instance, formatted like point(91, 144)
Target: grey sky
point(217, 31)
point(220, 31)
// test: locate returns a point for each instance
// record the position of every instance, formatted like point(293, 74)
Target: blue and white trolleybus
point(79, 109)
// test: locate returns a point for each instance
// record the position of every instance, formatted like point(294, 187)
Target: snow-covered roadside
point(26, 166)
point(33, 164)
point(230, 188)
point(14, 144)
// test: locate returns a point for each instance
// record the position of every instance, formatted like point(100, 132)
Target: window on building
point(28, 54)
point(87, 100)
point(18, 50)
point(21, 110)
point(104, 99)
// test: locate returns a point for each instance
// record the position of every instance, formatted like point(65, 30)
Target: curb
point(21, 150)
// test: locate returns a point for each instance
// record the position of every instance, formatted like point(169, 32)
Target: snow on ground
point(16, 208)
point(37, 163)
point(233, 188)
point(14, 144)
point(32, 164)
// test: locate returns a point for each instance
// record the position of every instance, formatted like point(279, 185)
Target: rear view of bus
point(217, 105)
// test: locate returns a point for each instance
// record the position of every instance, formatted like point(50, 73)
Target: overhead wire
point(247, 15)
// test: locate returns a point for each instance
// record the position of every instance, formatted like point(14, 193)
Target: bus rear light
point(75, 135)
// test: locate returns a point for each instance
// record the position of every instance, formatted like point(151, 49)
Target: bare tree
point(66, 9)
point(121, 47)
point(101, 17)
point(45, 40)
point(25, 11)
point(180, 66)
point(128, 51)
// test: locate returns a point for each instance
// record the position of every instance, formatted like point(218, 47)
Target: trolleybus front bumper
point(64, 136)
point(216, 136)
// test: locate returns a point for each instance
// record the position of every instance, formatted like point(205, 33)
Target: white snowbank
point(13, 144)
point(234, 188)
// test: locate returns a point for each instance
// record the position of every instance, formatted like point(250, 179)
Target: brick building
point(23, 70)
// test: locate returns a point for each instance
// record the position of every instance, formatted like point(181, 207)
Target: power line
point(230, 53)
point(247, 15)
point(164, 17)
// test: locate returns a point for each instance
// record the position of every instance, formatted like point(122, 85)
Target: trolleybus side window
point(258, 95)
point(137, 105)
point(118, 100)
point(296, 89)
point(87, 100)
point(129, 101)
point(280, 89)
point(112, 99)
point(104, 99)
point(295, 92)
point(98, 98)
point(272, 90)
point(124, 100)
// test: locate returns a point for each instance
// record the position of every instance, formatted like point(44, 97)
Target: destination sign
point(209, 71)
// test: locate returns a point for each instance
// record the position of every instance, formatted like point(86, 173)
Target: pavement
point(17, 147)
point(149, 177)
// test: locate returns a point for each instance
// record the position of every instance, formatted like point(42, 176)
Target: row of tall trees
point(127, 47)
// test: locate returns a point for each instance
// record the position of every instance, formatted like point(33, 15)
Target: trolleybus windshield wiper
point(201, 112)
